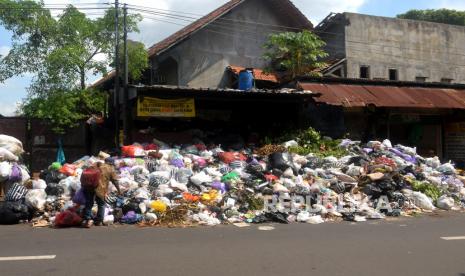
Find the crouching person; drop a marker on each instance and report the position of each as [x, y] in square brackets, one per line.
[95, 181]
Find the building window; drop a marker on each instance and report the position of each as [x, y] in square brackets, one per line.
[364, 72]
[421, 79]
[446, 80]
[393, 75]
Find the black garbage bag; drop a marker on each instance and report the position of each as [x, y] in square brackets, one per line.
[314, 162]
[277, 217]
[338, 187]
[386, 185]
[51, 176]
[358, 161]
[373, 191]
[132, 205]
[397, 198]
[13, 212]
[348, 216]
[54, 189]
[281, 161]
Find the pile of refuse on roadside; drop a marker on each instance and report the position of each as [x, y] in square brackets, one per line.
[201, 184]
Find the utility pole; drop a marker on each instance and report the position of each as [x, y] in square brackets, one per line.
[126, 111]
[117, 75]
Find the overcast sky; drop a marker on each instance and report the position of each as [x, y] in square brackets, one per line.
[13, 90]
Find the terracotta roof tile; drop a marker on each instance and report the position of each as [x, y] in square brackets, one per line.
[258, 74]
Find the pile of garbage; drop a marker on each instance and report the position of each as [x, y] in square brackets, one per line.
[13, 176]
[197, 184]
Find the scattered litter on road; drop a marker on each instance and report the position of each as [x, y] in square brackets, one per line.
[266, 228]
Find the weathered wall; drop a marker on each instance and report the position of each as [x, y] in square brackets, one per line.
[203, 57]
[415, 48]
[334, 36]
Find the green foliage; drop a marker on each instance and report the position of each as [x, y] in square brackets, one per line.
[138, 59]
[428, 189]
[445, 16]
[64, 109]
[299, 54]
[60, 53]
[309, 141]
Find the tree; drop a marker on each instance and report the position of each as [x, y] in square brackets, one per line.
[64, 109]
[445, 16]
[138, 59]
[61, 53]
[297, 53]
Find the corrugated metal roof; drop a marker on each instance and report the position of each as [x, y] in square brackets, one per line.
[258, 74]
[349, 95]
[171, 88]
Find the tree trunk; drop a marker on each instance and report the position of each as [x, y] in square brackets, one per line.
[83, 79]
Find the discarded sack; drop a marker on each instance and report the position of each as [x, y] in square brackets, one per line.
[12, 212]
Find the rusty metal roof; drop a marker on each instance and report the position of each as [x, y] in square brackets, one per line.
[351, 95]
[223, 91]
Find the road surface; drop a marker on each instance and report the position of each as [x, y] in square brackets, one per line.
[428, 245]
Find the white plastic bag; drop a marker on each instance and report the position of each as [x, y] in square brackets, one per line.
[36, 199]
[142, 193]
[6, 155]
[11, 144]
[24, 174]
[39, 184]
[422, 201]
[291, 143]
[303, 216]
[315, 220]
[5, 171]
[200, 178]
[178, 186]
[445, 202]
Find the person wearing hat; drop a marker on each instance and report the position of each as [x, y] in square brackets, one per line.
[107, 174]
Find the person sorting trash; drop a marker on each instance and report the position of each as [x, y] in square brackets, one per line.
[95, 181]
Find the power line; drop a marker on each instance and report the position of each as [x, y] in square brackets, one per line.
[151, 10]
[229, 28]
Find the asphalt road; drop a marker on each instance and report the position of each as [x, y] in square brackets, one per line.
[406, 246]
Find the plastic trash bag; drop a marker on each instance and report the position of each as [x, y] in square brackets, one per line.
[5, 171]
[11, 144]
[79, 197]
[158, 206]
[445, 202]
[16, 192]
[131, 218]
[67, 218]
[12, 212]
[132, 151]
[315, 220]
[36, 199]
[54, 189]
[15, 174]
[24, 174]
[200, 178]
[39, 184]
[150, 217]
[68, 169]
[141, 193]
[6, 155]
[291, 143]
[422, 201]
